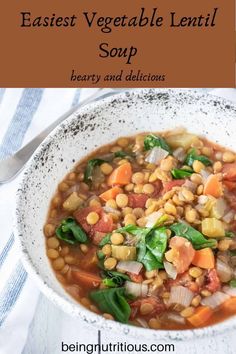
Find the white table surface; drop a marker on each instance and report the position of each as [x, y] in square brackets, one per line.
[51, 326]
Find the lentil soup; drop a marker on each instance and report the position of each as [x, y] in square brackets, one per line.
[142, 231]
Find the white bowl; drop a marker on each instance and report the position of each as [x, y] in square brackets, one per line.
[92, 126]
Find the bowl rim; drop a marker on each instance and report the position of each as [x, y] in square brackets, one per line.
[77, 310]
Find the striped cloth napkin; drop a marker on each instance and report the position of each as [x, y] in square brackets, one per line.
[23, 114]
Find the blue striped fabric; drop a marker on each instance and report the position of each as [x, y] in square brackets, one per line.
[6, 249]
[19, 124]
[12, 141]
[76, 98]
[11, 291]
[2, 91]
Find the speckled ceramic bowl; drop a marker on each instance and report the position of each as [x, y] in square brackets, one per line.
[98, 124]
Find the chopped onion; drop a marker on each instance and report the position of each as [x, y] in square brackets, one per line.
[71, 190]
[215, 300]
[205, 174]
[175, 317]
[224, 271]
[229, 290]
[152, 218]
[156, 155]
[170, 270]
[130, 266]
[179, 154]
[190, 185]
[181, 295]
[228, 217]
[202, 199]
[136, 289]
[142, 322]
[219, 209]
[108, 209]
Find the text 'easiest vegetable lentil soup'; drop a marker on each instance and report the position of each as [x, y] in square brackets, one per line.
[143, 231]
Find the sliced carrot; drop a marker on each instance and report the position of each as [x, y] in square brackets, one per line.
[204, 258]
[213, 186]
[230, 304]
[121, 175]
[110, 193]
[85, 278]
[201, 316]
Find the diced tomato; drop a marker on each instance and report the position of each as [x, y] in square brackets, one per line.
[104, 224]
[136, 278]
[81, 215]
[158, 306]
[213, 281]
[175, 183]
[182, 253]
[137, 200]
[229, 171]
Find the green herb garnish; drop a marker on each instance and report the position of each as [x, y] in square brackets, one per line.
[114, 279]
[70, 232]
[181, 173]
[106, 239]
[192, 156]
[152, 141]
[88, 174]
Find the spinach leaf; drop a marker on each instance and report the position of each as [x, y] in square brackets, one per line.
[112, 301]
[134, 230]
[88, 174]
[114, 279]
[142, 249]
[232, 283]
[140, 231]
[70, 232]
[180, 173]
[232, 252]
[195, 237]
[156, 242]
[151, 141]
[106, 239]
[192, 156]
[152, 243]
[151, 248]
[150, 262]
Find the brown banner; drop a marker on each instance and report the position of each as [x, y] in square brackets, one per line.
[104, 43]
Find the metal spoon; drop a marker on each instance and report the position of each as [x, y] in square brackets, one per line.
[11, 166]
